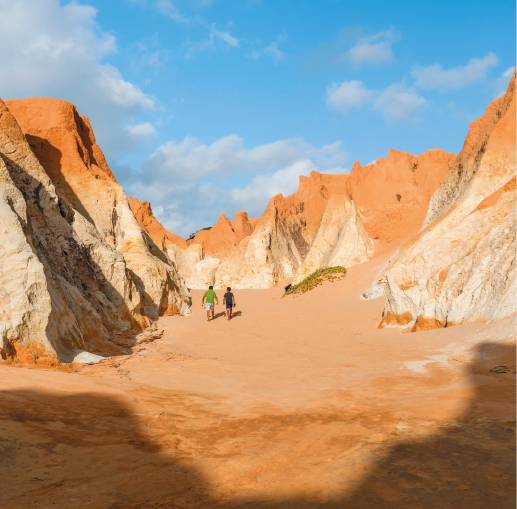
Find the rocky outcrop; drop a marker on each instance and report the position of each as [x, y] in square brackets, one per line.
[64, 144]
[341, 239]
[76, 269]
[332, 220]
[392, 195]
[221, 240]
[56, 300]
[461, 267]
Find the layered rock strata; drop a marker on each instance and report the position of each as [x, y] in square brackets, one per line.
[55, 298]
[331, 220]
[337, 219]
[64, 144]
[65, 287]
[196, 260]
[460, 267]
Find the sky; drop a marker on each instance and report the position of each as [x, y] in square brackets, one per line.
[209, 107]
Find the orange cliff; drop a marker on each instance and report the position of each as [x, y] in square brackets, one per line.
[338, 219]
[196, 260]
[392, 195]
[64, 143]
[221, 240]
[330, 220]
[461, 267]
[160, 236]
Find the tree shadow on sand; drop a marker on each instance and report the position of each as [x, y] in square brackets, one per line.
[89, 450]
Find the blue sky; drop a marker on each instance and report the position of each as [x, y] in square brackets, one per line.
[205, 107]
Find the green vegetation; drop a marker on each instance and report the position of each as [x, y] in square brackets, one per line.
[317, 278]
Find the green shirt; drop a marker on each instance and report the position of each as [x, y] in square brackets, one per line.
[210, 294]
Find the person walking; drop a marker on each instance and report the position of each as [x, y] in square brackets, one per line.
[229, 300]
[208, 302]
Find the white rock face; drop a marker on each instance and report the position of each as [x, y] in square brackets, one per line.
[340, 239]
[84, 179]
[53, 300]
[70, 276]
[203, 274]
[252, 265]
[461, 267]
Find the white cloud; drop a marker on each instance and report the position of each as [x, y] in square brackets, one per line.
[192, 160]
[46, 48]
[142, 131]
[400, 103]
[262, 188]
[348, 94]
[168, 8]
[501, 83]
[51, 51]
[190, 184]
[370, 53]
[397, 102]
[273, 51]
[374, 49]
[109, 80]
[211, 44]
[435, 77]
[225, 36]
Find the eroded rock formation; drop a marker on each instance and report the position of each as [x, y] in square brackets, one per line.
[64, 143]
[337, 219]
[330, 220]
[65, 287]
[460, 267]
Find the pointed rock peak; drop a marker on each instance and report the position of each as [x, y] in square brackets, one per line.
[223, 220]
[242, 226]
[240, 216]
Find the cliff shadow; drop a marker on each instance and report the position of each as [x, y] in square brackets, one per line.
[468, 463]
[86, 450]
[90, 450]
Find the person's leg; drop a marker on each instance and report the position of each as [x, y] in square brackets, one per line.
[228, 313]
[231, 309]
[213, 313]
[208, 315]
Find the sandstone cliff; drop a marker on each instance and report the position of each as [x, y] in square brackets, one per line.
[64, 144]
[337, 219]
[56, 299]
[198, 259]
[461, 267]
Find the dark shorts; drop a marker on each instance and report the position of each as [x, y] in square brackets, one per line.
[229, 305]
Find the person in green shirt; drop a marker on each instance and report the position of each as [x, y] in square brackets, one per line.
[208, 302]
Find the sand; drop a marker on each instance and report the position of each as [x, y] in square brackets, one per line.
[298, 402]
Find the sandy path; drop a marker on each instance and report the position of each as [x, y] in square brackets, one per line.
[296, 402]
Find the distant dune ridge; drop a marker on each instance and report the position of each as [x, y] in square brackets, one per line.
[82, 263]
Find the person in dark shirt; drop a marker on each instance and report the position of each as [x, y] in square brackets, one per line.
[229, 300]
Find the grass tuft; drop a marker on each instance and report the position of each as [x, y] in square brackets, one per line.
[317, 278]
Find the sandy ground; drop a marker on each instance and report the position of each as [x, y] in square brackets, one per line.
[298, 402]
